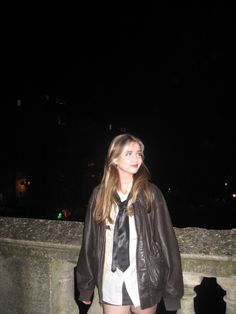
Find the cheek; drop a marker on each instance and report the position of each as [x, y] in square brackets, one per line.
[125, 162]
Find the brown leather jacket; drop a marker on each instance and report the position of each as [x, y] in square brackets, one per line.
[159, 268]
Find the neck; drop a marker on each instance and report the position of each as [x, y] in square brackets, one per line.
[125, 186]
[126, 181]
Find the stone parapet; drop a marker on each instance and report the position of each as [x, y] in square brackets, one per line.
[38, 257]
[37, 260]
[208, 252]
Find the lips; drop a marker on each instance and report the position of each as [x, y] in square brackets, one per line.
[135, 166]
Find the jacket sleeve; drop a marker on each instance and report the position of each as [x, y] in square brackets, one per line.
[85, 280]
[173, 289]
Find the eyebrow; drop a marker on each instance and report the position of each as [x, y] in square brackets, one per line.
[131, 151]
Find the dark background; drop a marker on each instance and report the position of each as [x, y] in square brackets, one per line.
[74, 77]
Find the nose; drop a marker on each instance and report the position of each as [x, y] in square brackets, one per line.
[137, 157]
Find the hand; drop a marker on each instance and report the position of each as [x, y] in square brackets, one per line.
[87, 302]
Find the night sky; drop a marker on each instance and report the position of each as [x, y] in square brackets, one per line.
[85, 74]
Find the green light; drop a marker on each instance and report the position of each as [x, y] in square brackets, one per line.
[59, 216]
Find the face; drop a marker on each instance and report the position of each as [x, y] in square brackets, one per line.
[130, 160]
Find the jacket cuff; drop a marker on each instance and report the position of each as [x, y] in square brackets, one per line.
[172, 304]
[85, 295]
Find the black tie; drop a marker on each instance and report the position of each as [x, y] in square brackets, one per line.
[120, 253]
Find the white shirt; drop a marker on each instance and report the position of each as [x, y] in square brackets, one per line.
[113, 281]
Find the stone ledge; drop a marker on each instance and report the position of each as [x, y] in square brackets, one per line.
[210, 243]
[40, 230]
[193, 242]
[37, 260]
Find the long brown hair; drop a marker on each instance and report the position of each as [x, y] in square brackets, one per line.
[110, 182]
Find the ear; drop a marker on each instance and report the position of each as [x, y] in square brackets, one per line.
[114, 162]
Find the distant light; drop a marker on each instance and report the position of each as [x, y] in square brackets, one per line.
[110, 127]
[63, 213]
[59, 216]
[21, 185]
[234, 195]
[226, 183]
[91, 164]
[18, 102]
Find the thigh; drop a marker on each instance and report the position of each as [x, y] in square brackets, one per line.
[116, 309]
[138, 310]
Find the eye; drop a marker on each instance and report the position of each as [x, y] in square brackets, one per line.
[128, 154]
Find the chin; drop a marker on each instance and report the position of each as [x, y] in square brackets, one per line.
[134, 171]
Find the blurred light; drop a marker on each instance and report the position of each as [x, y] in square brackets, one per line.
[91, 164]
[234, 195]
[67, 213]
[59, 216]
[64, 213]
[22, 183]
[226, 183]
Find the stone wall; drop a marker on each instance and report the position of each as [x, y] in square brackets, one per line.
[38, 257]
[37, 260]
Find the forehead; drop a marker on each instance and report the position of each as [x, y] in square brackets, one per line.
[131, 146]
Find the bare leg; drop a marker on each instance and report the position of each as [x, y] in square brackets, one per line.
[116, 309]
[138, 310]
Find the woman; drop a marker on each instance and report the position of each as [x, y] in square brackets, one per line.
[129, 248]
